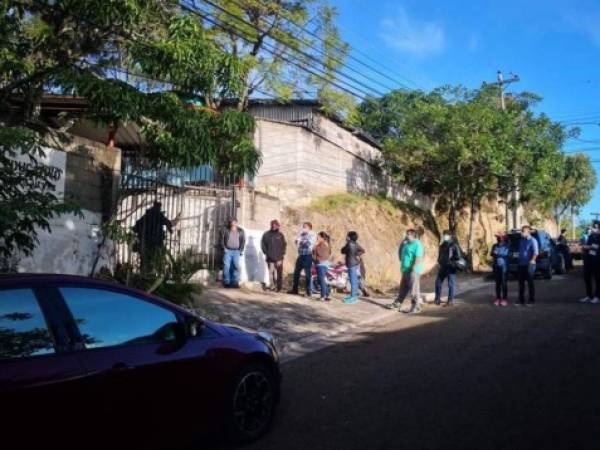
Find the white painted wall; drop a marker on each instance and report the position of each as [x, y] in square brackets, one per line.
[71, 246]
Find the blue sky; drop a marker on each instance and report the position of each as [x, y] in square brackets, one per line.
[554, 47]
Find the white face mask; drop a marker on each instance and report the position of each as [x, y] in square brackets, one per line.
[446, 238]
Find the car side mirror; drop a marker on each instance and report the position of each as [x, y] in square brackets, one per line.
[193, 326]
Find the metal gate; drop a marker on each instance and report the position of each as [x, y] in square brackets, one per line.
[178, 216]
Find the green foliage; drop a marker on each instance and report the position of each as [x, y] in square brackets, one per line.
[72, 46]
[569, 184]
[167, 276]
[27, 193]
[270, 40]
[458, 146]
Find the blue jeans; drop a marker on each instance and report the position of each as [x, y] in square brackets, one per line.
[353, 272]
[322, 277]
[303, 263]
[443, 273]
[526, 276]
[501, 277]
[231, 267]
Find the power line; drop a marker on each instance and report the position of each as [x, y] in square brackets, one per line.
[285, 44]
[316, 48]
[350, 56]
[236, 32]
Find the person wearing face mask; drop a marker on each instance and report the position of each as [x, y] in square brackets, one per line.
[411, 253]
[500, 252]
[591, 265]
[305, 243]
[273, 246]
[449, 254]
[353, 253]
[528, 253]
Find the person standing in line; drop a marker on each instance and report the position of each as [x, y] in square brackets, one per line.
[353, 252]
[411, 254]
[449, 254]
[305, 243]
[591, 265]
[233, 241]
[562, 245]
[273, 246]
[500, 252]
[322, 255]
[528, 253]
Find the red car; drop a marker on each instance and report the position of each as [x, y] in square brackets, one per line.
[110, 364]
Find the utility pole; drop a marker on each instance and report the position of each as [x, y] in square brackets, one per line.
[502, 83]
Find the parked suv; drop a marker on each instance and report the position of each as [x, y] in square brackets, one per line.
[84, 362]
[549, 261]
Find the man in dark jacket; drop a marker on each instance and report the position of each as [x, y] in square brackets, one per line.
[273, 246]
[353, 253]
[449, 254]
[591, 265]
[150, 233]
[233, 240]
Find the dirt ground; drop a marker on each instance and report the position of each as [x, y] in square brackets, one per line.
[469, 377]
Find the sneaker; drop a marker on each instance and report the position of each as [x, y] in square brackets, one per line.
[497, 302]
[327, 299]
[415, 310]
[448, 304]
[292, 292]
[529, 304]
[503, 303]
[323, 299]
[350, 300]
[585, 300]
[519, 304]
[437, 302]
[394, 305]
[595, 301]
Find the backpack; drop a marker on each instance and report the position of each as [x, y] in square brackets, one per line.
[460, 263]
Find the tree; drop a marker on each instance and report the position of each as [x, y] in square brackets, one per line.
[137, 61]
[82, 47]
[291, 46]
[27, 197]
[458, 146]
[571, 182]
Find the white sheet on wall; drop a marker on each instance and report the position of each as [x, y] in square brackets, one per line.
[253, 265]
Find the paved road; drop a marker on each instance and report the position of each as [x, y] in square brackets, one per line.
[469, 377]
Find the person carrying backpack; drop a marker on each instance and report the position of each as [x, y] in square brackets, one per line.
[449, 257]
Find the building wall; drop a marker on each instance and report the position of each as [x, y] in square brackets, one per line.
[300, 164]
[88, 176]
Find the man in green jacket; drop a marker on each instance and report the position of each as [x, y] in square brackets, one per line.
[411, 253]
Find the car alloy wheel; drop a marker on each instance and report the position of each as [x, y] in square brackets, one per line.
[253, 403]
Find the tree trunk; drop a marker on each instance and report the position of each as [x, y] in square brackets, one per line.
[452, 217]
[470, 237]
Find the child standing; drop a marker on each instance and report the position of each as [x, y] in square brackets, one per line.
[500, 252]
[353, 253]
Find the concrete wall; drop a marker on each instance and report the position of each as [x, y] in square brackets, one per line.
[300, 164]
[88, 177]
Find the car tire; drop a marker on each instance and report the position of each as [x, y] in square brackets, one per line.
[252, 403]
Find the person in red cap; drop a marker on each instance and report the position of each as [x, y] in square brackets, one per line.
[273, 246]
[500, 252]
